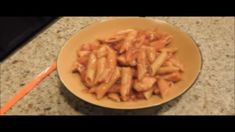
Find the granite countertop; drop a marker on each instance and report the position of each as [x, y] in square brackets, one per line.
[212, 94]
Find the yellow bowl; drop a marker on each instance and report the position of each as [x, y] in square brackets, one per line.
[188, 53]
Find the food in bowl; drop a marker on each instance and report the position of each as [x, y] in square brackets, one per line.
[129, 65]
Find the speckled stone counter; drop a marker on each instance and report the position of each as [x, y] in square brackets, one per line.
[212, 94]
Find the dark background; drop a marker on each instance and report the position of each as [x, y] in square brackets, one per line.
[14, 31]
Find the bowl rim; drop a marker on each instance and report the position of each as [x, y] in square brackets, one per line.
[140, 107]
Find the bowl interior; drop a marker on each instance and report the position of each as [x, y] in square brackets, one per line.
[188, 53]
